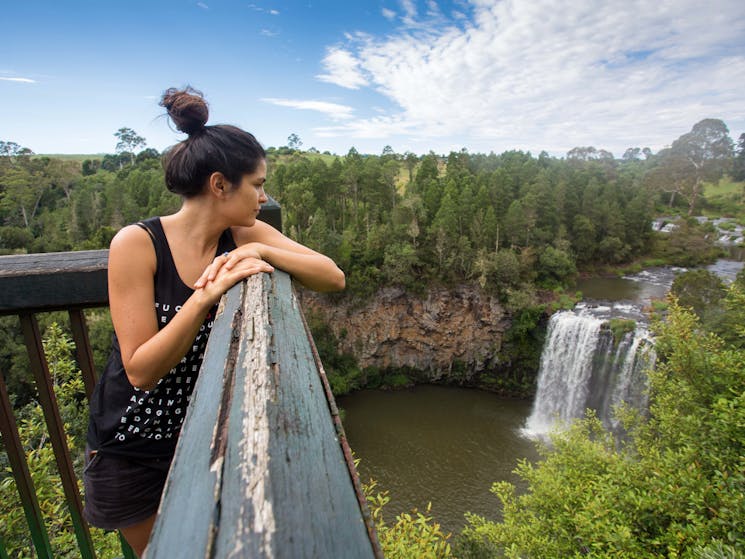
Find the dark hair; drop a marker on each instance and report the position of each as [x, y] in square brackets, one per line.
[208, 149]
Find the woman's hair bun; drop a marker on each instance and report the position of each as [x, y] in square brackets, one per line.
[187, 108]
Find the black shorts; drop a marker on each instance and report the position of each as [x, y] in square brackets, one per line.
[121, 492]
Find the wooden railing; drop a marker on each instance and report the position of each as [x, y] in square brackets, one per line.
[262, 468]
[276, 477]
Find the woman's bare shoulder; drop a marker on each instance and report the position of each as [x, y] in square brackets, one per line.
[132, 246]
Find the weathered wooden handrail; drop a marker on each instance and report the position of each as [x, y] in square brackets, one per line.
[262, 468]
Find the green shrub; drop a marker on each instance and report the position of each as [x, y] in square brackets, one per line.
[717, 550]
[564, 300]
[399, 380]
[342, 370]
[413, 535]
[620, 327]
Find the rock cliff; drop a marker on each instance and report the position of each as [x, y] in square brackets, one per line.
[395, 329]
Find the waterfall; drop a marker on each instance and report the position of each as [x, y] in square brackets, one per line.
[582, 366]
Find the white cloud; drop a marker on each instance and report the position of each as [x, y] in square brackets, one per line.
[332, 110]
[269, 33]
[203, 5]
[433, 10]
[342, 69]
[388, 14]
[409, 7]
[542, 76]
[18, 80]
[372, 128]
[256, 8]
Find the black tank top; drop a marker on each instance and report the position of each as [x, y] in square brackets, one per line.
[135, 423]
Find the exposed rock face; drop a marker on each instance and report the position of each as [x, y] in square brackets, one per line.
[396, 329]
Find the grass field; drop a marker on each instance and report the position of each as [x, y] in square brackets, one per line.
[71, 156]
[725, 199]
[725, 188]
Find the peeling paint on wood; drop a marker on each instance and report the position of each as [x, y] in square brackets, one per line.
[279, 485]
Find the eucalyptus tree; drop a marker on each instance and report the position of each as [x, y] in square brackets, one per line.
[294, 142]
[128, 142]
[703, 154]
[738, 165]
[12, 149]
[589, 153]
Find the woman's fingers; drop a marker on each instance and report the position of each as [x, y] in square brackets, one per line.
[219, 273]
[211, 271]
[251, 266]
[202, 280]
[229, 260]
[218, 263]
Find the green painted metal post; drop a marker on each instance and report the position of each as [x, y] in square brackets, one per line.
[57, 436]
[127, 552]
[22, 476]
[3, 553]
[83, 350]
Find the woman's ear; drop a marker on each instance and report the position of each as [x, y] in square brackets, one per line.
[218, 184]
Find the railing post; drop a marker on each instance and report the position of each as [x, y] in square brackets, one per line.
[24, 483]
[127, 552]
[83, 351]
[48, 402]
[3, 553]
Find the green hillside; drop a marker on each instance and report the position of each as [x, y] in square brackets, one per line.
[72, 156]
[726, 198]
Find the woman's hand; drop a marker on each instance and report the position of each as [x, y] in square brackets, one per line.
[312, 269]
[231, 267]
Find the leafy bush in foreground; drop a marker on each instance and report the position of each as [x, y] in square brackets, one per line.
[413, 535]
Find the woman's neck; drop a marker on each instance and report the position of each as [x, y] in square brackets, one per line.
[195, 226]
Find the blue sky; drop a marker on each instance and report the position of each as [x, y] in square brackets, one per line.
[417, 75]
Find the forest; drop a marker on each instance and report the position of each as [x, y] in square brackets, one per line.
[515, 225]
[518, 226]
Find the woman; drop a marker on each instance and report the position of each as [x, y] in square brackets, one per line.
[166, 276]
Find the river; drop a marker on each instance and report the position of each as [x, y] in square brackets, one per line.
[447, 445]
[444, 445]
[652, 283]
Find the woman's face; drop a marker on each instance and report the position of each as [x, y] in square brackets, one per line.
[248, 195]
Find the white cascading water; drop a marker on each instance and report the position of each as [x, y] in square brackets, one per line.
[583, 367]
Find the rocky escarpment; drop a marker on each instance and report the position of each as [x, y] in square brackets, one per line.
[395, 329]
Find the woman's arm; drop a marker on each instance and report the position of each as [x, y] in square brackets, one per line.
[148, 353]
[262, 241]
